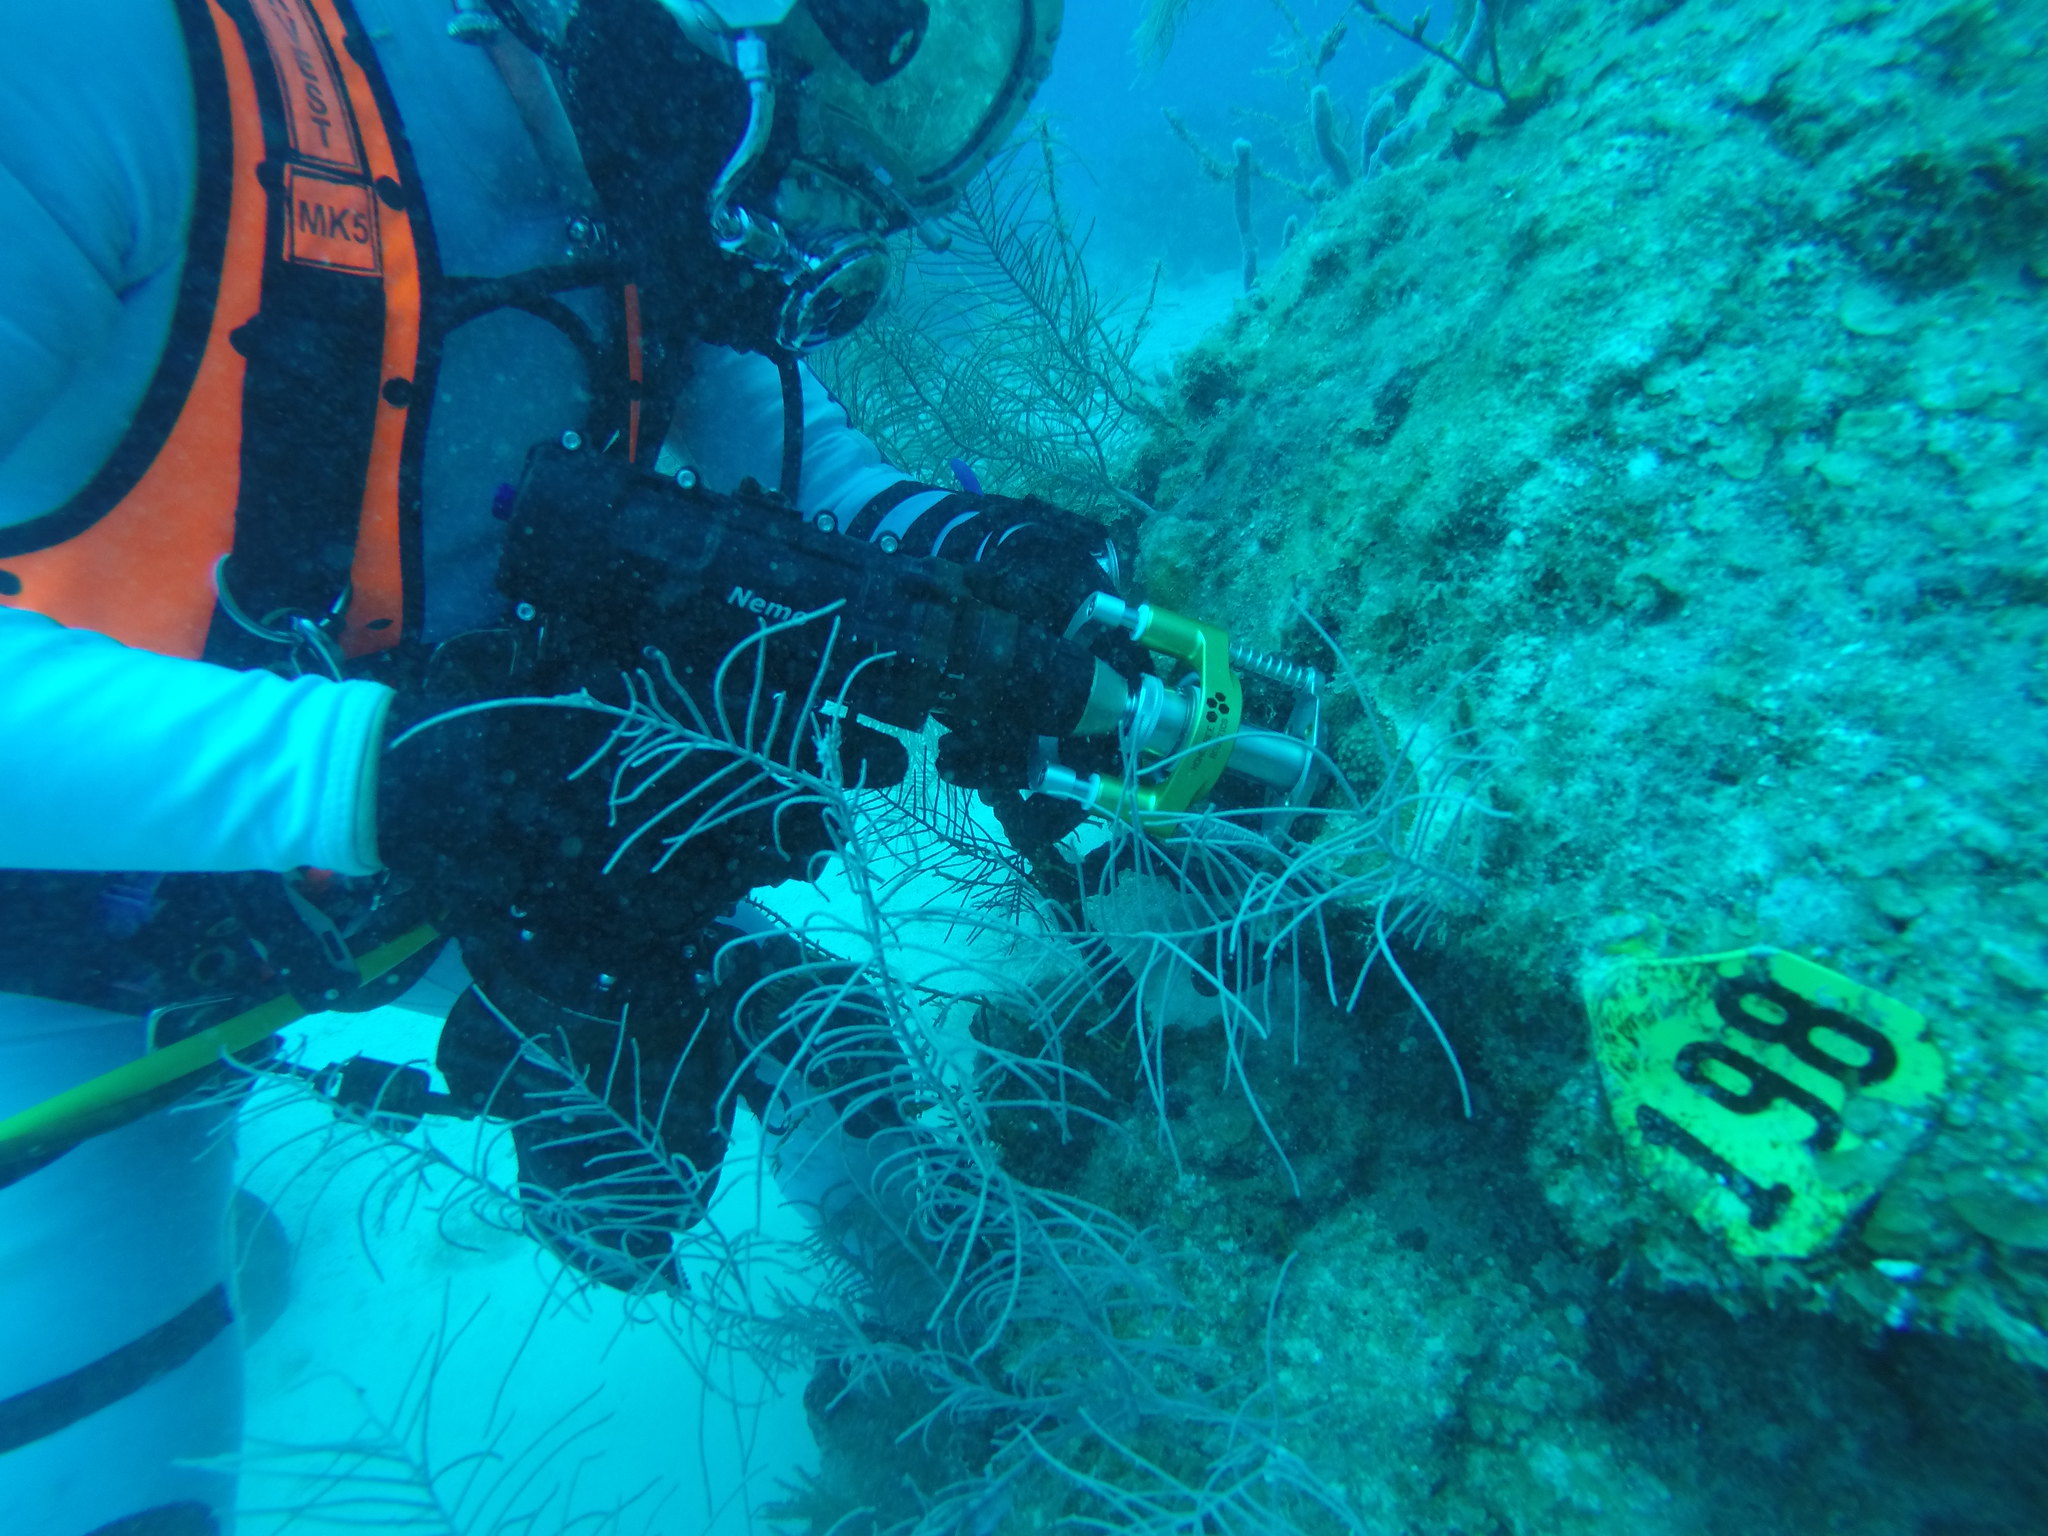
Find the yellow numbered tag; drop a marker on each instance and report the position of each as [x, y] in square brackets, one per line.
[1767, 1096]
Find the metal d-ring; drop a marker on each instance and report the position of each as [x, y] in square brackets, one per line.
[302, 631]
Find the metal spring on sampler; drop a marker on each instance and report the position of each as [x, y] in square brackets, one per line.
[1278, 669]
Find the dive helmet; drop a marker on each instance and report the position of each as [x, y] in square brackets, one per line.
[860, 119]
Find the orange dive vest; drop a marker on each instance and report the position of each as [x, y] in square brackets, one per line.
[279, 425]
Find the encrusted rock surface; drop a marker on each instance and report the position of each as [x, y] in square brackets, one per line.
[1683, 445]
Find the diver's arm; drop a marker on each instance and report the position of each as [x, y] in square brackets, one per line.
[112, 758]
[116, 759]
[729, 424]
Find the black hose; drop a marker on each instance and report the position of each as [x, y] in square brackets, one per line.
[533, 292]
[462, 299]
[792, 427]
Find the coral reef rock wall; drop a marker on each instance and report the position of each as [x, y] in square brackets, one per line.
[1672, 441]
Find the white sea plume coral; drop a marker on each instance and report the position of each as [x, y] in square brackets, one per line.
[836, 1013]
[1241, 929]
[956, 1271]
[1222, 925]
[1166, 1440]
[1243, 921]
[405, 1468]
[1009, 1303]
[1001, 348]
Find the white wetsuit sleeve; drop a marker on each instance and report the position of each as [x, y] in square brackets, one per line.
[118, 759]
[729, 427]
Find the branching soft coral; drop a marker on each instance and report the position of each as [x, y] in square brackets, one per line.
[1001, 350]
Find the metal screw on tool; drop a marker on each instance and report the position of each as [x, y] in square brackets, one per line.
[888, 543]
[572, 440]
[686, 478]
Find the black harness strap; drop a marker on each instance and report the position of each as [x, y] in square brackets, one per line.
[42, 1411]
[309, 399]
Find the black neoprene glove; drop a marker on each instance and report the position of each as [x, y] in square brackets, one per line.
[438, 811]
[1039, 562]
[507, 815]
[1038, 575]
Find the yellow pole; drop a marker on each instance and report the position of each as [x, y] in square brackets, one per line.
[70, 1114]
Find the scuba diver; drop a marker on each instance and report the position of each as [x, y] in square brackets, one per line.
[292, 290]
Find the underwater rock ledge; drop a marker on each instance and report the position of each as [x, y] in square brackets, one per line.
[1681, 443]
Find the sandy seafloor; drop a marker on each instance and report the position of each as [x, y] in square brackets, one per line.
[378, 1285]
[549, 1396]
